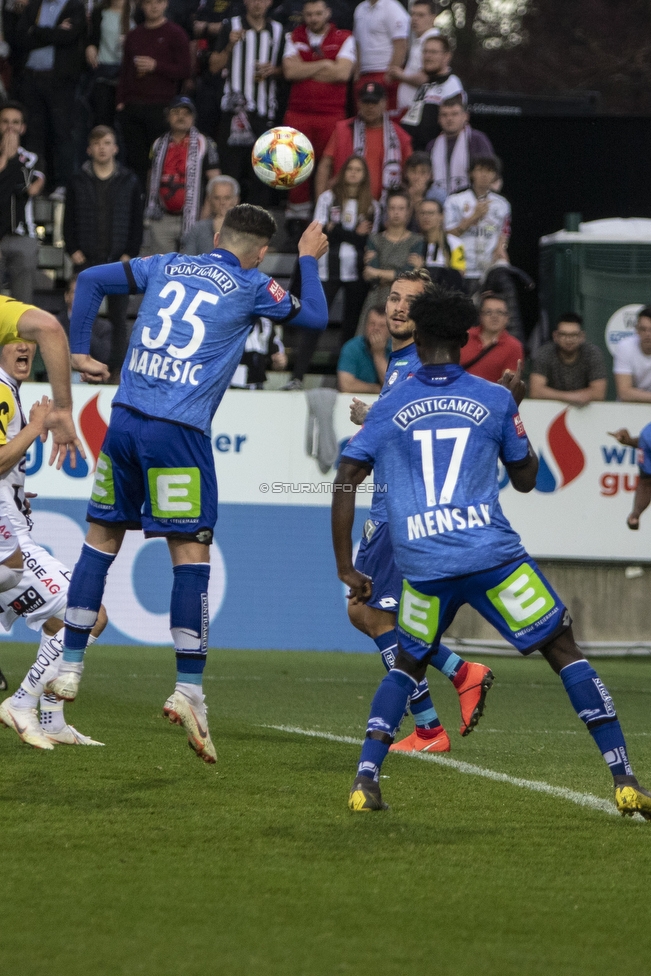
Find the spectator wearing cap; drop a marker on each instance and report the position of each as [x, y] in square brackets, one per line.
[381, 29]
[490, 348]
[632, 365]
[412, 76]
[421, 121]
[156, 59]
[182, 162]
[372, 135]
[222, 193]
[319, 60]
[568, 368]
[481, 218]
[453, 149]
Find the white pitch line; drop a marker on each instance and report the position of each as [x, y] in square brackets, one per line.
[537, 786]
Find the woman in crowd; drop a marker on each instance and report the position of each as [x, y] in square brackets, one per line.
[110, 22]
[444, 257]
[349, 214]
[394, 250]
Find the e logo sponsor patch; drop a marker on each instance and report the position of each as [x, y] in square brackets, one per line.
[175, 492]
[522, 598]
[103, 486]
[419, 614]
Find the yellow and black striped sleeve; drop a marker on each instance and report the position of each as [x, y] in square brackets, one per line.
[7, 411]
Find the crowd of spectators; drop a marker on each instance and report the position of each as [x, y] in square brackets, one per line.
[139, 117]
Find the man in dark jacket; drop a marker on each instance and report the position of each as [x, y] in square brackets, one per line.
[103, 223]
[51, 35]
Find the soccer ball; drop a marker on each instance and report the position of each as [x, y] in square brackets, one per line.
[283, 157]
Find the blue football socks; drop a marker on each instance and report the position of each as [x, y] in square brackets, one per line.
[84, 600]
[446, 661]
[387, 708]
[421, 705]
[594, 706]
[189, 619]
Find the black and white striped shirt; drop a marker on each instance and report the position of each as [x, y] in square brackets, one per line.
[255, 47]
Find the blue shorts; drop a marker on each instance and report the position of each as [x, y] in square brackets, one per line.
[375, 559]
[515, 598]
[155, 476]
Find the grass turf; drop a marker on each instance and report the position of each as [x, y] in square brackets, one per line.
[139, 859]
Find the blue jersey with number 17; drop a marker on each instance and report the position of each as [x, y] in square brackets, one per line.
[435, 441]
[190, 332]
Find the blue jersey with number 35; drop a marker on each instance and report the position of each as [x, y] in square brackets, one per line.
[435, 440]
[190, 332]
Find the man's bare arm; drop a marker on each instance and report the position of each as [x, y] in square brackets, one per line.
[348, 383]
[629, 393]
[539, 390]
[323, 171]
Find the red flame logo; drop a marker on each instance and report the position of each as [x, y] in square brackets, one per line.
[566, 451]
[93, 427]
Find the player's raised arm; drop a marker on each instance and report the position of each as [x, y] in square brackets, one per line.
[42, 328]
[92, 285]
[311, 309]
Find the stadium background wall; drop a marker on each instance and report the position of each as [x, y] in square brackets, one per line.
[273, 581]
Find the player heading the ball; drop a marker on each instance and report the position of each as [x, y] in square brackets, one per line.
[155, 470]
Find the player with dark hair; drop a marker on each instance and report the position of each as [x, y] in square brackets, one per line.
[156, 469]
[435, 441]
[376, 617]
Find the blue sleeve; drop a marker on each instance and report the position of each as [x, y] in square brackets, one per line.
[364, 444]
[644, 451]
[92, 285]
[514, 443]
[310, 311]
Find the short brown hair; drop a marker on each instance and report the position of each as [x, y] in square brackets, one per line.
[99, 132]
[442, 39]
[454, 100]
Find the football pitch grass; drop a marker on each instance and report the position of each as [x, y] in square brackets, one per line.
[139, 859]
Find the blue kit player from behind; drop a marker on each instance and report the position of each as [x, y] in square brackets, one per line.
[156, 471]
[435, 441]
[377, 616]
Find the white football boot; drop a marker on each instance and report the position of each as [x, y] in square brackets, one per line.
[69, 736]
[24, 722]
[193, 717]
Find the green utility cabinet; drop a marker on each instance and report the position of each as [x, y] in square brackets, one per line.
[603, 272]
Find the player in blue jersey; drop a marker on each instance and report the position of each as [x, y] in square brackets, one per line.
[377, 617]
[156, 470]
[436, 440]
[642, 498]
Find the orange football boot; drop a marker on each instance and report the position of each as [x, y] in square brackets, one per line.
[472, 682]
[422, 740]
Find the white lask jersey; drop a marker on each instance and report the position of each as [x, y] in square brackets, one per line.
[12, 484]
[480, 240]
